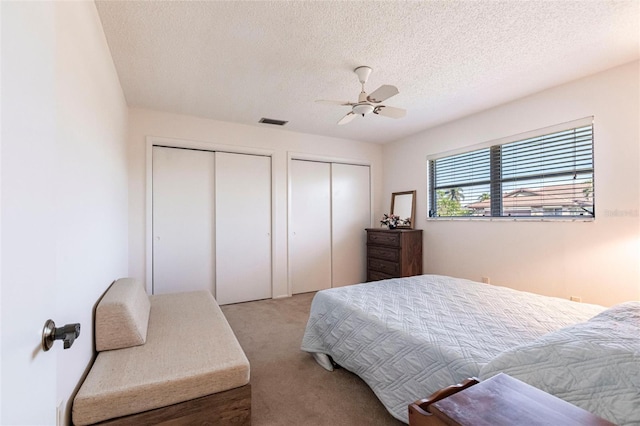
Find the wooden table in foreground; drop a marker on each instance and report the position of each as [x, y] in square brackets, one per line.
[498, 401]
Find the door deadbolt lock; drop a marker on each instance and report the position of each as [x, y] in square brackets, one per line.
[67, 333]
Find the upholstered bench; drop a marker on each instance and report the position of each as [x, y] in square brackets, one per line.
[163, 358]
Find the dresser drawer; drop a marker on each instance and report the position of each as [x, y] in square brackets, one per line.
[377, 276]
[385, 253]
[384, 238]
[384, 266]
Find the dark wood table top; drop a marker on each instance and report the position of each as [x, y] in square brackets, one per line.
[501, 401]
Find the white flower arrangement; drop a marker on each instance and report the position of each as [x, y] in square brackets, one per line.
[393, 221]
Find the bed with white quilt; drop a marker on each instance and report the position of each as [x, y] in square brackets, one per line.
[409, 337]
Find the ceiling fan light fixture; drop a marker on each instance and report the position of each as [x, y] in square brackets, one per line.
[362, 109]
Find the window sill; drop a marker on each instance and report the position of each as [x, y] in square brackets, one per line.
[510, 219]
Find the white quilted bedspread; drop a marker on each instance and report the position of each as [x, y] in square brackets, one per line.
[594, 365]
[407, 338]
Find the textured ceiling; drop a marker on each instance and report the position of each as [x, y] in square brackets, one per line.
[239, 61]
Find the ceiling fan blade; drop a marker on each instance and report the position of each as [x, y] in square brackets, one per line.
[382, 93]
[388, 111]
[344, 103]
[347, 118]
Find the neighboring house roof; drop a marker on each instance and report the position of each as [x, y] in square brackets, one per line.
[571, 195]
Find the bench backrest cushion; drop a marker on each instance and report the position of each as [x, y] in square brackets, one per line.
[122, 316]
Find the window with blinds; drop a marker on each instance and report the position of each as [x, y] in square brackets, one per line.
[544, 176]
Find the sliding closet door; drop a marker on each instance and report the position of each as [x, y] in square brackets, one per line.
[183, 252]
[243, 227]
[351, 213]
[310, 233]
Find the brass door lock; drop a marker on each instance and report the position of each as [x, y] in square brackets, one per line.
[67, 333]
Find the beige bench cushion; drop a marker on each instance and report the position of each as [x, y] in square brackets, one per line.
[191, 351]
[122, 316]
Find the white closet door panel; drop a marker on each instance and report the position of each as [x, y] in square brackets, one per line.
[351, 212]
[187, 189]
[310, 233]
[243, 227]
[183, 218]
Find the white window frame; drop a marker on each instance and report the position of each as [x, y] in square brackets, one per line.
[535, 212]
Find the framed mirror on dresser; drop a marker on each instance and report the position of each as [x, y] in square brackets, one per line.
[403, 205]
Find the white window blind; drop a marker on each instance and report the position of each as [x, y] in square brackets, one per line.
[545, 176]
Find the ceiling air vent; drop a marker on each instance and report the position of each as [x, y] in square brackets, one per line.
[272, 121]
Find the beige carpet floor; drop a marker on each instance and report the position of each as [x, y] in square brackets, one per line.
[288, 387]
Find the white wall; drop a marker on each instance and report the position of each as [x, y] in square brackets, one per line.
[64, 196]
[598, 261]
[143, 123]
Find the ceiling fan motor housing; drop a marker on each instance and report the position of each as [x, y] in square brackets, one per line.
[362, 109]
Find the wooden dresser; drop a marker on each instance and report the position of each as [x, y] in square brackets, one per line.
[393, 253]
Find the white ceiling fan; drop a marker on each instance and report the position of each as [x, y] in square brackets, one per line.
[369, 103]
